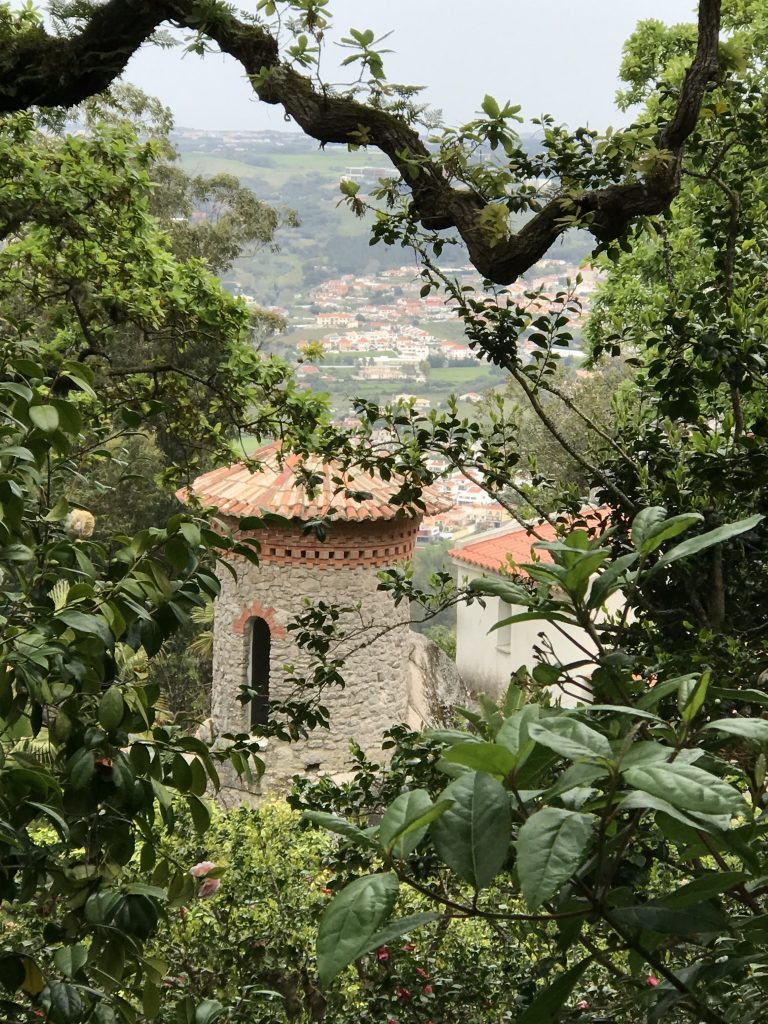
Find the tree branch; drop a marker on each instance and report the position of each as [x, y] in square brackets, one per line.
[40, 69]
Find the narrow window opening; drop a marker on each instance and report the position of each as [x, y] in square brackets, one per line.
[258, 672]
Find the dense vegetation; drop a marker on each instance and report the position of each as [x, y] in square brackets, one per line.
[620, 844]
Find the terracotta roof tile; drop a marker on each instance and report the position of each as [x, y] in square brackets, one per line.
[512, 544]
[239, 491]
[494, 553]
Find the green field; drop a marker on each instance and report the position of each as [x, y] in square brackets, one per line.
[458, 375]
[278, 168]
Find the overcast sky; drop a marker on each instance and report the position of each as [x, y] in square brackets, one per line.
[555, 56]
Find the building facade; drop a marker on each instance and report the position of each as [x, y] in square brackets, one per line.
[486, 657]
[384, 662]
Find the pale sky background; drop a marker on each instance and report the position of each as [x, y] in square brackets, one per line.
[555, 56]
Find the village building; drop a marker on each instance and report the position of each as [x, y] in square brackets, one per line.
[486, 657]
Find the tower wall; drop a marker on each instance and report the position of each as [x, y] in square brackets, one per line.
[340, 570]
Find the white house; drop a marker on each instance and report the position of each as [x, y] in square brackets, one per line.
[485, 659]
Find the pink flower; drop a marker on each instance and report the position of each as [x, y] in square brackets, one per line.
[201, 870]
[421, 972]
[652, 980]
[382, 954]
[583, 1005]
[209, 887]
[427, 990]
[404, 994]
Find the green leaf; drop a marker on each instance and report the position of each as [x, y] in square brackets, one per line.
[609, 580]
[550, 847]
[81, 767]
[491, 107]
[191, 533]
[150, 999]
[706, 540]
[483, 757]
[12, 972]
[181, 773]
[618, 709]
[570, 738]
[546, 1006]
[710, 884]
[406, 821]
[753, 729]
[686, 786]
[100, 907]
[44, 417]
[402, 925]
[208, 1011]
[93, 625]
[650, 528]
[472, 837]
[691, 695]
[351, 921]
[201, 815]
[340, 826]
[742, 696]
[54, 817]
[704, 917]
[640, 801]
[111, 708]
[661, 690]
[69, 959]
[513, 733]
[63, 1003]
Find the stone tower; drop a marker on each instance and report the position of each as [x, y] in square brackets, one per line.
[392, 674]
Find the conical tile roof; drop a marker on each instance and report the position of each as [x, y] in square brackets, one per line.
[275, 487]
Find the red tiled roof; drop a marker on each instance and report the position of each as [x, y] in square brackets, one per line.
[512, 544]
[494, 553]
[274, 487]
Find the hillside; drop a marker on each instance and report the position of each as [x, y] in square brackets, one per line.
[290, 171]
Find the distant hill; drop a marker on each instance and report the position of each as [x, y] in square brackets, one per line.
[289, 170]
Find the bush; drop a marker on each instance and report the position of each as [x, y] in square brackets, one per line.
[250, 943]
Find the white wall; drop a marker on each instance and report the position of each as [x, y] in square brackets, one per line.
[487, 660]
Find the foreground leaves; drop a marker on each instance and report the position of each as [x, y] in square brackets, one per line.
[550, 847]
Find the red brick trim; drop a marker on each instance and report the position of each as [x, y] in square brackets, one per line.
[256, 610]
[347, 546]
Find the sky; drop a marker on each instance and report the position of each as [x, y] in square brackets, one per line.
[555, 56]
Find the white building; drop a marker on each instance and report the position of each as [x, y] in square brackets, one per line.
[486, 660]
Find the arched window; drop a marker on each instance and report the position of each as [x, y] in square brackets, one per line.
[258, 671]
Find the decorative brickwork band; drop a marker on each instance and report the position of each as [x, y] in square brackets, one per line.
[256, 610]
[347, 545]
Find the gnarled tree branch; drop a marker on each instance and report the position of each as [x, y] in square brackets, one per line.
[39, 69]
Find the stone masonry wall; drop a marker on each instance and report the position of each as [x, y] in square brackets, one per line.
[376, 692]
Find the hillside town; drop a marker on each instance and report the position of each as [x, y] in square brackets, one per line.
[376, 336]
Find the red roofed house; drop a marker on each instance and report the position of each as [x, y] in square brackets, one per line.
[392, 675]
[485, 659]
